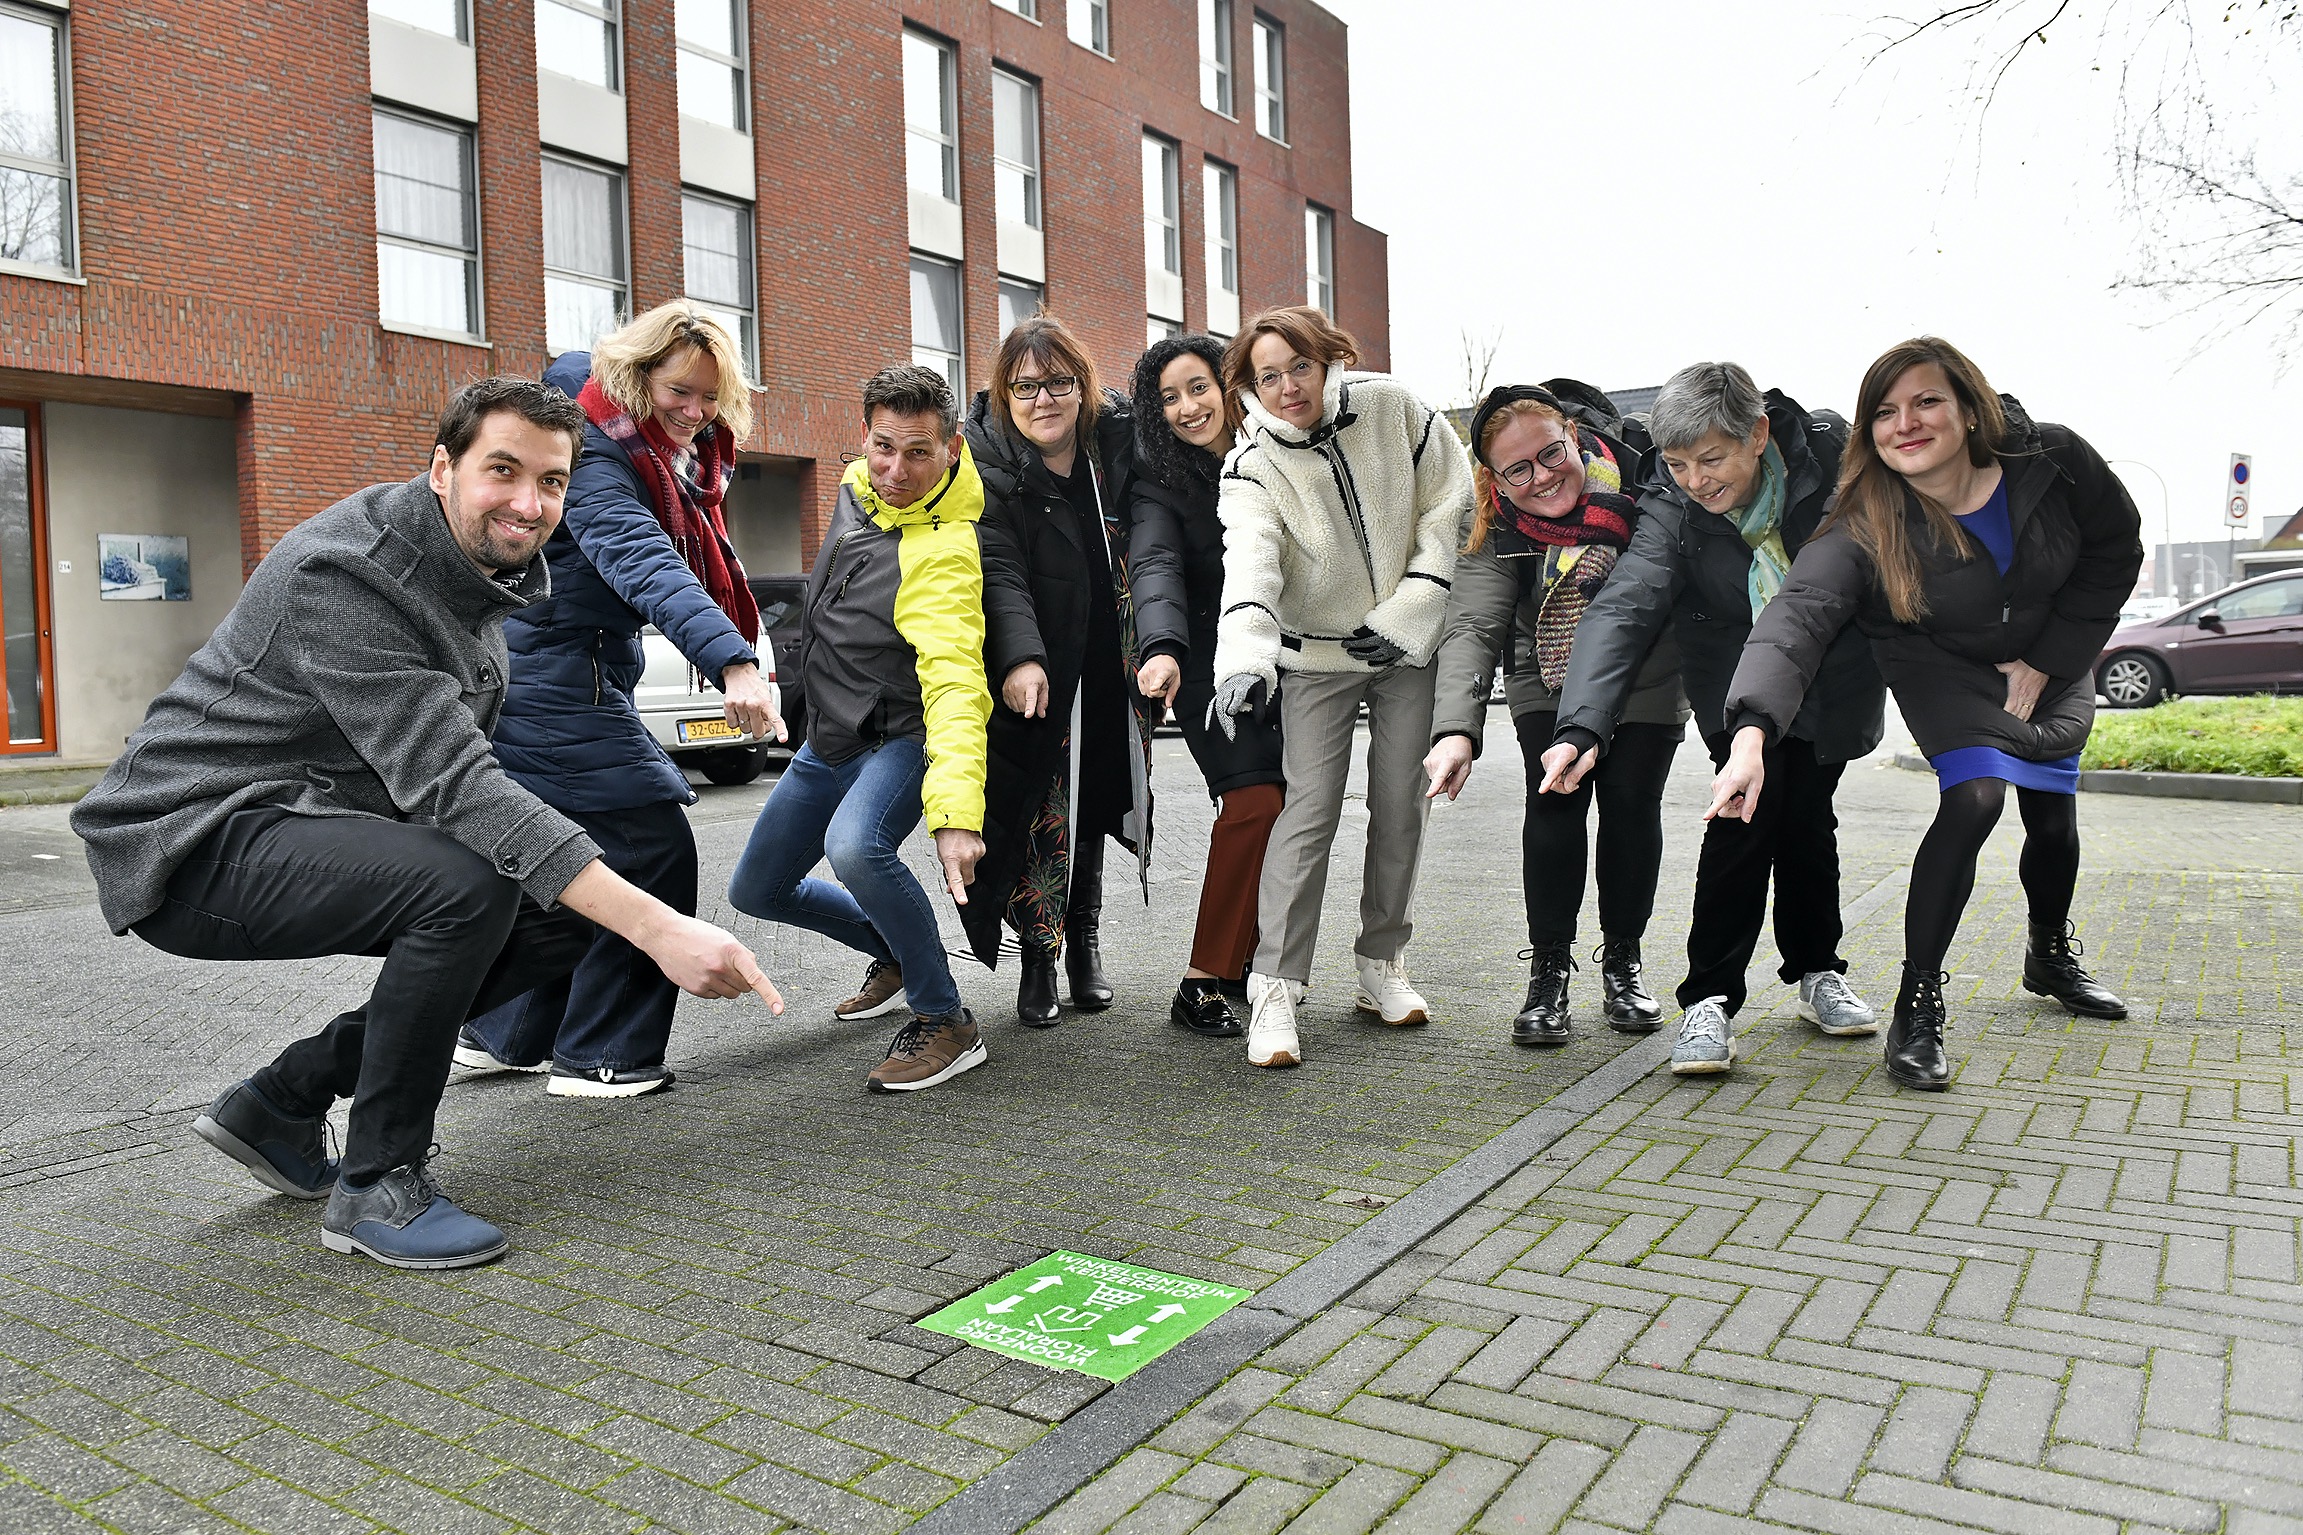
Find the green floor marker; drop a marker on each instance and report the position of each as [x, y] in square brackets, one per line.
[1087, 1314]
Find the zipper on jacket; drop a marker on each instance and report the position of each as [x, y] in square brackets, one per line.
[596, 681]
[833, 593]
[1350, 493]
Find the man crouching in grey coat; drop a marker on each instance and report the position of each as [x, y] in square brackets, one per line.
[319, 781]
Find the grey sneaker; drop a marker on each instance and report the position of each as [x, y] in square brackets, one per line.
[1706, 1043]
[1828, 1002]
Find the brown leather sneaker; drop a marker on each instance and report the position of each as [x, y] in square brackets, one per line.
[883, 992]
[927, 1051]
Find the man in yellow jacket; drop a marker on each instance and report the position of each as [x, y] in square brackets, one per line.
[893, 664]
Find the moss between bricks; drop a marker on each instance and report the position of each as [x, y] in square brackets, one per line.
[2252, 737]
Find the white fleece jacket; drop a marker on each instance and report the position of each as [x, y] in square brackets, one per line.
[1351, 523]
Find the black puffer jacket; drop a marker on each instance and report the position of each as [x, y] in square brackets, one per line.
[2077, 550]
[1037, 588]
[1690, 568]
[1177, 572]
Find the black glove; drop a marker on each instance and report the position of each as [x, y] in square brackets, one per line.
[1372, 649]
[1241, 693]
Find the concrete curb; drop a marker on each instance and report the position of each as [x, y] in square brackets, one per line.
[2222, 786]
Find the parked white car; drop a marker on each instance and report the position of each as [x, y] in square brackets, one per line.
[687, 715]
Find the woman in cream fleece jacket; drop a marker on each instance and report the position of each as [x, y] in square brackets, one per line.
[1341, 506]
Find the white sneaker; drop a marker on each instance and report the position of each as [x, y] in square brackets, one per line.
[1706, 1043]
[1271, 1039]
[477, 1059]
[1383, 991]
[1828, 1002]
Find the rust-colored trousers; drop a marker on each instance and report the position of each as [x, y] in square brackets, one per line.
[1225, 938]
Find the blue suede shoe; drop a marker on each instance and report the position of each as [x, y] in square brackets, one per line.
[287, 1154]
[404, 1220]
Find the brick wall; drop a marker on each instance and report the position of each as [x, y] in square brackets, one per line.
[227, 225]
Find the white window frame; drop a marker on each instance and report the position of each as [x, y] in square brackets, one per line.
[461, 32]
[1219, 186]
[1157, 329]
[947, 134]
[1167, 218]
[622, 216]
[1029, 10]
[739, 61]
[747, 316]
[1089, 24]
[475, 284]
[1016, 285]
[952, 363]
[1031, 214]
[1319, 258]
[1270, 40]
[63, 167]
[1218, 78]
[610, 14]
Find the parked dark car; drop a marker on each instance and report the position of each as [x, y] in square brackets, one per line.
[2243, 639]
[684, 713]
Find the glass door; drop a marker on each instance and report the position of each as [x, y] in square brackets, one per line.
[25, 662]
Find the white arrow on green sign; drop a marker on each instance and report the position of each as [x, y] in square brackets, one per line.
[1093, 1315]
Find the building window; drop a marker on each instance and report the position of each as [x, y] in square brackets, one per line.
[1157, 329]
[445, 17]
[936, 319]
[1089, 24]
[427, 226]
[1016, 148]
[1220, 219]
[584, 272]
[1163, 230]
[931, 118]
[1270, 78]
[1319, 258]
[718, 237]
[1215, 56]
[577, 38]
[1019, 301]
[711, 63]
[1029, 10]
[35, 141]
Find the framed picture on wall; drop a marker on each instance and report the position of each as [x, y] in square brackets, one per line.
[143, 567]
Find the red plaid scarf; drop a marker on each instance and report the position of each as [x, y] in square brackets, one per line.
[687, 510]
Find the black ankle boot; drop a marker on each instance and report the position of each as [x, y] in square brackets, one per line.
[1915, 1055]
[1199, 1006]
[1036, 989]
[1631, 1008]
[2051, 969]
[1083, 955]
[1543, 1021]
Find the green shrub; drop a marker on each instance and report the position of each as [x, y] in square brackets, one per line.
[2254, 737]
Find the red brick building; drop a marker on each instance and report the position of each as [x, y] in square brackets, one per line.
[249, 249]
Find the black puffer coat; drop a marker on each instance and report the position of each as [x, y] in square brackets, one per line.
[1690, 568]
[2077, 550]
[1177, 571]
[1037, 588]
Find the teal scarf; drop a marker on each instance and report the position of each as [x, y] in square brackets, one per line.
[1761, 525]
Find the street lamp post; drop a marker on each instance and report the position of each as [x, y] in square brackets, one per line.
[2159, 579]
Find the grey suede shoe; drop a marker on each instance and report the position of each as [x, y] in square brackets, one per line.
[404, 1220]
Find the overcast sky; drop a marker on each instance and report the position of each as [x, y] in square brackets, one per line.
[1621, 189]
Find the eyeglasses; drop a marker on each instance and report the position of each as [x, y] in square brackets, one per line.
[1299, 370]
[1551, 456]
[1057, 387]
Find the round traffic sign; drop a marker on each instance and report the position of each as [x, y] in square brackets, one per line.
[2239, 474]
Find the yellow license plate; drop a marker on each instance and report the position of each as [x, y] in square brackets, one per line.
[708, 730]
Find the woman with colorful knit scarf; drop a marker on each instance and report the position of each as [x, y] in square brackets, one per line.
[641, 542]
[1746, 480]
[1553, 511]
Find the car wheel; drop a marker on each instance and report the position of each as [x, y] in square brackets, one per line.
[2133, 680]
[732, 765]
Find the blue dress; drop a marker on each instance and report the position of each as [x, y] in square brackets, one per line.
[1990, 526]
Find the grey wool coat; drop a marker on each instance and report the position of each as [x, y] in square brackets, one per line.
[359, 674]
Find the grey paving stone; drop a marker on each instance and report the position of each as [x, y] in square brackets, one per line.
[2056, 1490]
[1343, 1373]
[1922, 1432]
[1736, 1463]
[1977, 1510]
[1355, 1504]
[1635, 1486]
[1830, 1448]
[1452, 1497]
[1262, 1507]
[2103, 1404]
[1545, 1488]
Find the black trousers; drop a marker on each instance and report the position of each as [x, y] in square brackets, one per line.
[1793, 836]
[456, 937]
[1628, 783]
[615, 1010]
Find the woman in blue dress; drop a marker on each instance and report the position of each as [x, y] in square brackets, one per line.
[1986, 556]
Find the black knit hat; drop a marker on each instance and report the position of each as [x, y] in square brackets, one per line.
[1509, 394]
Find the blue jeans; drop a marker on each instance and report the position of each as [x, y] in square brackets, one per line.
[616, 1009]
[856, 813]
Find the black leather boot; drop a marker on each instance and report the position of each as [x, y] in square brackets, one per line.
[1200, 1006]
[1631, 1008]
[1083, 957]
[2051, 969]
[1036, 989]
[1543, 1021]
[1915, 1055]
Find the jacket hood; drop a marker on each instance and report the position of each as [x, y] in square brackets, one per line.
[569, 372]
[958, 496]
[1332, 416]
[1010, 464]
